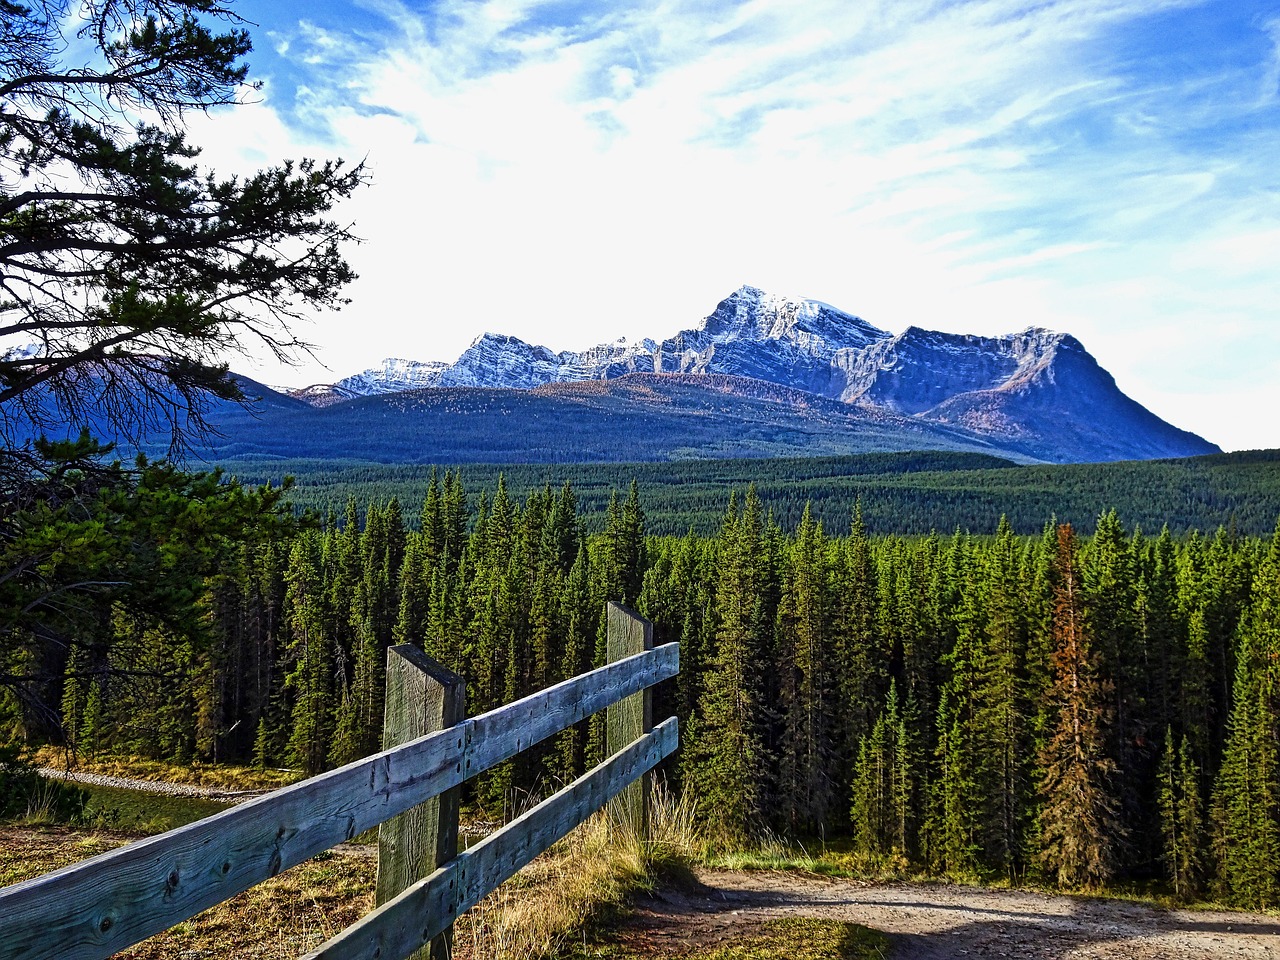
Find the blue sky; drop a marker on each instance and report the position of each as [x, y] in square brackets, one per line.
[574, 172]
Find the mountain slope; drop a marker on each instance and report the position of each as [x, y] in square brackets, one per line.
[637, 417]
[1035, 394]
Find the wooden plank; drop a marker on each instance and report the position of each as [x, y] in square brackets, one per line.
[500, 734]
[629, 718]
[396, 929]
[90, 910]
[423, 697]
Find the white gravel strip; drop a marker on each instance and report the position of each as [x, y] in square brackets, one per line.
[151, 786]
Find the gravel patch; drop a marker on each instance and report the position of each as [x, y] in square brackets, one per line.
[943, 922]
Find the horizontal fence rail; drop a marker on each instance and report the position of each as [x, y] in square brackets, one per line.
[90, 910]
[427, 908]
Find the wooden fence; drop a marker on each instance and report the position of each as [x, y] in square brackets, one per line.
[93, 909]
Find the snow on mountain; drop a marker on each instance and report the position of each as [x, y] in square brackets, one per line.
[804, 344]
[394, 376]
[815, 327]
[750, 333]
[1035, 385]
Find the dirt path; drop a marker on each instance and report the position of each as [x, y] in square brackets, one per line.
[928, 922]
[151, 786]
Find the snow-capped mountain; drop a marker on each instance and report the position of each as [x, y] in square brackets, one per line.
[750, 333]
[1038, 388]
[393, 376]
[796, 343]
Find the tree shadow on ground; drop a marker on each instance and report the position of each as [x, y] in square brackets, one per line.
[921, 928]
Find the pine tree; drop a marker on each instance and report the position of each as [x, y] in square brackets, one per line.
[1109, 578]
[414, 589]
[808, 750]
[727, 765]
[1001, 709]
[860, 663]
[311, 679]
[1181, 818]
[1079, 820]
[580, 610]
[886, 785]
[961, 801]
[1247, 798]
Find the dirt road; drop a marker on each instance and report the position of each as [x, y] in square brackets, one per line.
[938, 922]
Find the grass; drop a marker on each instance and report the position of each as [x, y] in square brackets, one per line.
[788, 938]
[196, 774]
[583, 883]
[565, 905]
[283, 917]
[822, 859]
[128, 811]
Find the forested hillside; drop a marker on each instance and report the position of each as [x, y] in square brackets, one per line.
[1084, 710]
[901, 492]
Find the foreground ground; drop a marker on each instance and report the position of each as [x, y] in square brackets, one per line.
[933, 922]
[720, 916]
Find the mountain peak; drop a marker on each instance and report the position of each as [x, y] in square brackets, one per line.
[753, 313]
[1037, 392]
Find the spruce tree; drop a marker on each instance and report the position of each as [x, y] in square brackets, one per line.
[860, 663]
[727, 765]
[1079, 819]
[961, 799]
[886, 788]
[807, 751]
[311, 679]
[1247, 797]
[1181, 818]
[1001, 710]
[1109, 576]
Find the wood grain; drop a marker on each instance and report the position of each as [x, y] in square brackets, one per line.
[396, 929]
[90, 910]
[423, 696]
[631, 717]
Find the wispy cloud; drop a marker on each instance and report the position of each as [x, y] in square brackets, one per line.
[566, 171]
[1270, 91]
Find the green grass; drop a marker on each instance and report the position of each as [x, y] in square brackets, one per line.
[789, 938]
[91, 807]
[217, 776]
[835, 858]
[805, 938]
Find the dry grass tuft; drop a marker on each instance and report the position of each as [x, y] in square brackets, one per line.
[576, 888]
[578, 885]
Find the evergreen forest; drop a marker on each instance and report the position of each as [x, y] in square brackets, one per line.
[909, 492]
[1079, 710]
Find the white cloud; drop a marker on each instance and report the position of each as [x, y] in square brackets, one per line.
[978, 166]
[1270, 90]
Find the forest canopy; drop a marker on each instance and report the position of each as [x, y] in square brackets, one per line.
[1081, 711]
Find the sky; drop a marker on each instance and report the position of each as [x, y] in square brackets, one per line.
[575, 172]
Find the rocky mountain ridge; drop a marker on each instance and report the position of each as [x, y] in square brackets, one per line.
[1036, 392]
[804, 344]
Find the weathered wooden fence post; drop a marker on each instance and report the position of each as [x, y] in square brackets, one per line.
[630, 718]
[422, 697]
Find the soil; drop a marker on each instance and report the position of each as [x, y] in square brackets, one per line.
[941, 922]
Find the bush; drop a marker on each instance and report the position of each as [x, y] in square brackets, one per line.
[18, 779]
